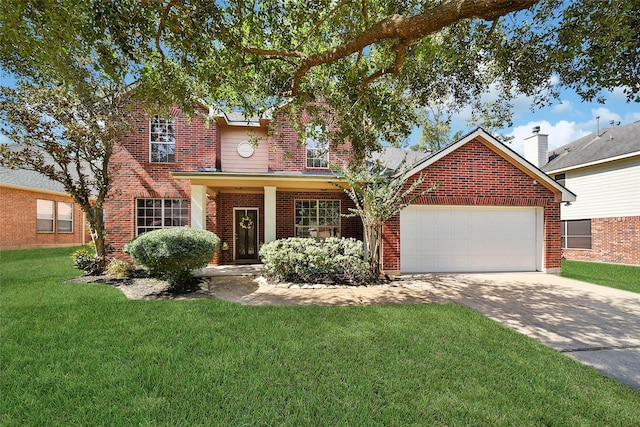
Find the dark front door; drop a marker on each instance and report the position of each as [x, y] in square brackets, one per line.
[246, 224]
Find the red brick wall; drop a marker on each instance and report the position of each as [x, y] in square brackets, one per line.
[475, 175]
[615, 240]
[135, 177]
[18, 219]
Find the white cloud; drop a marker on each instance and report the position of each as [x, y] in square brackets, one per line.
[563, 107]
[560, 133]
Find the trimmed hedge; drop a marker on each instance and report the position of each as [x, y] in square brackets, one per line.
[308, 260]
[173, 253]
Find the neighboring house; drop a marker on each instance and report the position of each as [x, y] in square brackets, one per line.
[603, 170]
[36, 212]
[493, 211]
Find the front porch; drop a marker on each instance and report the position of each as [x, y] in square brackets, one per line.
[246, 211]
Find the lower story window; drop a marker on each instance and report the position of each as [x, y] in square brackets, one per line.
[576, 234]
[317, 218]
[153, 214]
[45, 213]
[65, 217]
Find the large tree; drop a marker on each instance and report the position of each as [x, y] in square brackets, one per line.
[370, 62]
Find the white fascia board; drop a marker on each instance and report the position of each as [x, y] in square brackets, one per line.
[596, 162]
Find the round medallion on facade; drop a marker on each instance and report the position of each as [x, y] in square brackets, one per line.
[245, 149]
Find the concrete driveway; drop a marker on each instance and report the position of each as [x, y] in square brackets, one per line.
[596, 325]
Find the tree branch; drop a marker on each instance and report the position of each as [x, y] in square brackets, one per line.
[412, 27]
[322, 21]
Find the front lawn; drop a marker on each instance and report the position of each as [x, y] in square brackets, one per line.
[77, 354]
[618, 276]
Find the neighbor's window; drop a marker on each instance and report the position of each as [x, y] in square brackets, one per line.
[162, 140]
[44, 215]
[153, 214]
[560, 178]
[65, 217]
[317, 150]
[317, 218]
[576, 234]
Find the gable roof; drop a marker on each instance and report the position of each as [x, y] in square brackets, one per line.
[505, 152]
[612, 143]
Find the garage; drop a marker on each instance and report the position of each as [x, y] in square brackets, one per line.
[470, 239]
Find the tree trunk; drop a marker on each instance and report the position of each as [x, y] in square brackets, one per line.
[96, 229]
[373, 234]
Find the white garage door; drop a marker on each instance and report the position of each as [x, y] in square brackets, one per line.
[468, 239]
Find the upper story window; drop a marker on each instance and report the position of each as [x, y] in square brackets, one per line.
[162, 140]
[560, 178]
[317, 150]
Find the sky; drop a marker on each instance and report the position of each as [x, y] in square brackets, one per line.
[566, 120]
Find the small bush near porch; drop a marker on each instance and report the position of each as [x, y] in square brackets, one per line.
[626, 277]
[308, 260]
[78, 354]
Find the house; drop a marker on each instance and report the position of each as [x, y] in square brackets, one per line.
[36, 212]
[603, 170]
[492, 211]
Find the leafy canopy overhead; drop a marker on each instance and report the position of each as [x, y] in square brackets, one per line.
[370, 62]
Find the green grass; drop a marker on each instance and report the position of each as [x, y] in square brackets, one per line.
[77, 354]
[626, 277]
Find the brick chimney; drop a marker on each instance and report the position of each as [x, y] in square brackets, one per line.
[536, 147]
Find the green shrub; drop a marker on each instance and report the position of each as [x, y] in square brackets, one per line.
[119, 268]
[173, 253]
[302, 260]
[86, 260]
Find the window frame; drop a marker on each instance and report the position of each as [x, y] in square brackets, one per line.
[162, 217]
[60, 220]
[169, 131]
[566, 237]
[321, 224]
[560, 178]
[49, 216]
[319, 150]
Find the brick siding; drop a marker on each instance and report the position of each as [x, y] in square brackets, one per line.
[614, 240]
[135, 177]
[18, 219]
[474, 175]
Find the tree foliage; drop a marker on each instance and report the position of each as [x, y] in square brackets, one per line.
[379, 193]
[66, 139]
[371, 62]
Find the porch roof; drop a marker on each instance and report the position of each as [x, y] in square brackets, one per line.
[238, 182]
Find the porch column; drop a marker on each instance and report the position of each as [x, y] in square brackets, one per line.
[199, 206]
[269, 214]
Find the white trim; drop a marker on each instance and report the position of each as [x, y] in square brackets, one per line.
[596, 162]
[199, 206]
[566, 195]
[270, 220]
[34, 189]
